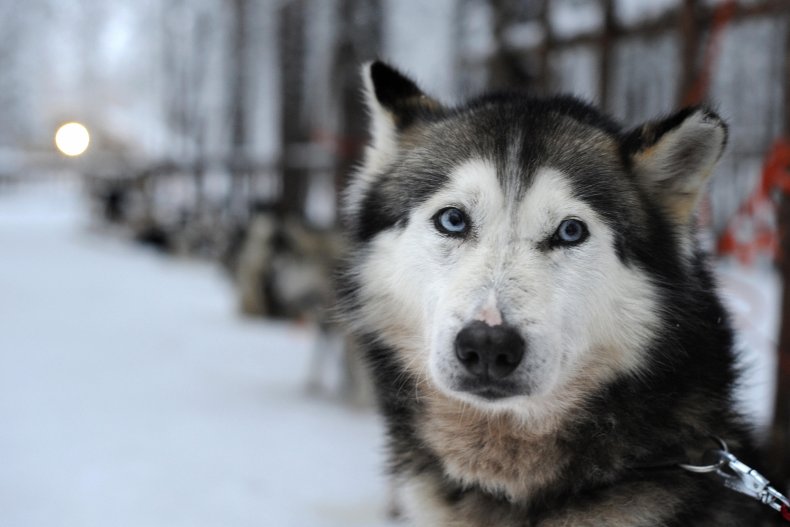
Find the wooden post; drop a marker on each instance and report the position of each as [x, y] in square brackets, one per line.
[360, 23]
[197, 117]
[608, 36]
[779, 441]
[237, 107]
[505, 68]
[294, 131]
[544, 81]
[779, 460]
[689, 49]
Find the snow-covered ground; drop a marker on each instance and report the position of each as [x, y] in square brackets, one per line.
[131, 393]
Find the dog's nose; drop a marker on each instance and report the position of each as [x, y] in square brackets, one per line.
[492, 352]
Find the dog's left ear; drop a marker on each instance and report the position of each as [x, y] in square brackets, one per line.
[674, 157]
[395, 102]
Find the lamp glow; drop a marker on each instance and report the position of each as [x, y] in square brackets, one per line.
[72, 139]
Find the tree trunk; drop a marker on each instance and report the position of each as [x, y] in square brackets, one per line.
[506, 68]
[360, 30]
[606, 43]
[689, 38]
[237, 107]
[295, 135]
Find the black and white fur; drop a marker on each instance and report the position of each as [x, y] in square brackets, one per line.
[625, 365]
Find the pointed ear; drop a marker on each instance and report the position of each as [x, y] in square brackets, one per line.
[674, 157]
[394, 102]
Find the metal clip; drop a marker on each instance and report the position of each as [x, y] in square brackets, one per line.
[740, 477]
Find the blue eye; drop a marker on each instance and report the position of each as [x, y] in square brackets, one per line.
[451, 221]
[570, 232]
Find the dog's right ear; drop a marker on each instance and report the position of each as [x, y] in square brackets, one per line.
[674, 157]
[395, 102]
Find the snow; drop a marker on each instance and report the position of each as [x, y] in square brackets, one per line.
[131, 393]
[753, 296]
[746, 64]
[631, 12]
[576, 72]
[429, 59]
[643, 84]
[570, 18]
[526, 35]
[476, 24]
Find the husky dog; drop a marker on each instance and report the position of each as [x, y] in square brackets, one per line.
[545, 336]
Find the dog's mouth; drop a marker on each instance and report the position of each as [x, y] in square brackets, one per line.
[490, 390]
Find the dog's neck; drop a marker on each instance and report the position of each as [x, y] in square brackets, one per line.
[519, 458]
[498, 452]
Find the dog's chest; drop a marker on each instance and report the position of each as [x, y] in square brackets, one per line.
[494, 452]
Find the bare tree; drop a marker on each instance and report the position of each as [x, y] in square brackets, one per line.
[295, 132]
[506, 66]
[237, 98]
[359, 39]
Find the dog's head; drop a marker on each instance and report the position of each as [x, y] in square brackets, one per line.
[512, 246]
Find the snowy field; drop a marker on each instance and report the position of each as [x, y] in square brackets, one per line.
[131, 393]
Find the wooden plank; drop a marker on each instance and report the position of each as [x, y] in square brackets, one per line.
[668, 22]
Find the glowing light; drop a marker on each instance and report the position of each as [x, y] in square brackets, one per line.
[72, 139]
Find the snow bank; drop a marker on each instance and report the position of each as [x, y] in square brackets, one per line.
[132, 394]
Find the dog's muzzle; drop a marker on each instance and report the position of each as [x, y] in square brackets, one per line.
[489, 354]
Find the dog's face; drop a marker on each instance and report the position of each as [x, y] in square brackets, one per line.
[502, 246]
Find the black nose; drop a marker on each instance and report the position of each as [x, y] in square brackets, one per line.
[489, 351]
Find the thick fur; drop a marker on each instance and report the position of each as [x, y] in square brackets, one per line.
[629, 365]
